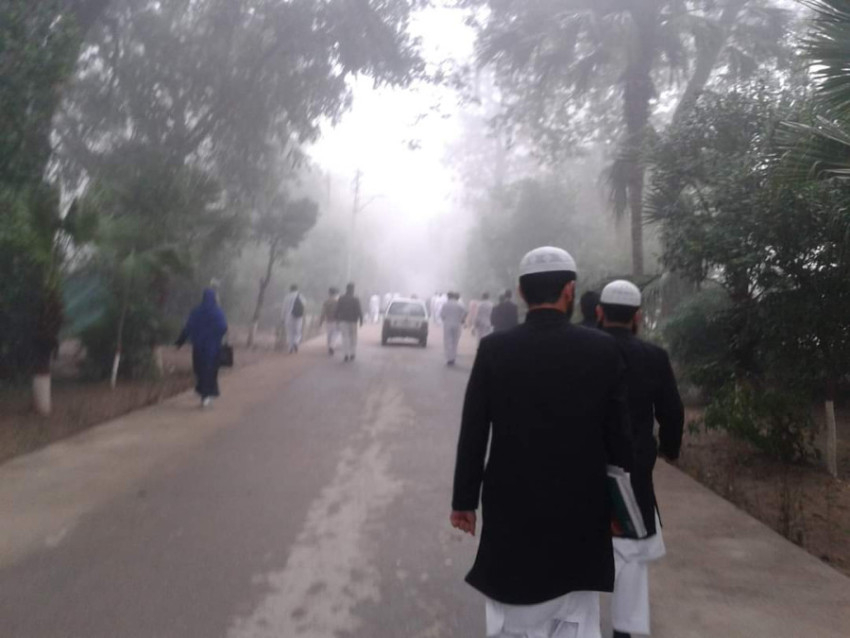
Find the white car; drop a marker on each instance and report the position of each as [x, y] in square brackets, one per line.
[407, 319]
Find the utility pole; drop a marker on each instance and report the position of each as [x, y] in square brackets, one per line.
[354, 210]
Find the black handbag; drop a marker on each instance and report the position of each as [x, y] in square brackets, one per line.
[225, 356]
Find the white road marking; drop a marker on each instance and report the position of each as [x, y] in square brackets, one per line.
[331, 567]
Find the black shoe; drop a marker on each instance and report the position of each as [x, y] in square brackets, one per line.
[450, 363]
[621, 634]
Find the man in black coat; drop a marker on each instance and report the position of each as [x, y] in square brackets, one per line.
[506, 314]
[589, 301]
[549, 398]
[349, 315]
[653, 396]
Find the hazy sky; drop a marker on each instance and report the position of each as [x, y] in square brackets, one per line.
[375, 135]
[398, 139]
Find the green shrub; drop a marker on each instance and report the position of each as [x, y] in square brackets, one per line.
[144, 329]
[698, 337]
[778, 422]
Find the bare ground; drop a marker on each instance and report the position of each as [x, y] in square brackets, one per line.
[803, 502]
[79, 404]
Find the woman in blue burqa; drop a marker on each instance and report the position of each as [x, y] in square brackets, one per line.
[205, 328]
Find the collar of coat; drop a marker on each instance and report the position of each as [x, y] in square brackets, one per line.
[545, 315]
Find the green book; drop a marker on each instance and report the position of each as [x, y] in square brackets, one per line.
[626, 519]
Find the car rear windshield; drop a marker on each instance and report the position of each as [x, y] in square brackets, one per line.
[406, 309]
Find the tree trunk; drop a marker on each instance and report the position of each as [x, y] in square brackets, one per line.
[707, 58]
[636, 210]
[638, 90]
[261, 295]
[45, 346]
[119, 341]
[831, 431]
[41, 394]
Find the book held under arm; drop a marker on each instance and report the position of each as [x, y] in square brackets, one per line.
[626, 519]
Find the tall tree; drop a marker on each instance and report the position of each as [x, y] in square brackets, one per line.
[279, 225]
[575, 71]
[819, 148]
[39, 43]
[227, 86]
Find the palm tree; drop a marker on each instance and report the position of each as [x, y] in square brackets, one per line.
[564, 63]
[821, 149]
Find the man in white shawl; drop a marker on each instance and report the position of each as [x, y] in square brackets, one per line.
[293, 318]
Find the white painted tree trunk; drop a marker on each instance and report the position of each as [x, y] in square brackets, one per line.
[41, 393]
[158, 363]
[831, 439]
[113, 381]
[252, 335]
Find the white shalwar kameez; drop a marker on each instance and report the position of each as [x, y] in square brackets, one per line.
[438, 308]
[452, 316]
[348, 330]
[630, 601]
[574, 615]
[334, 335]
[293, 325]
[483, 325]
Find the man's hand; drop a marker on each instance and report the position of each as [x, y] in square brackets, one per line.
[464, 521]
[671, 461]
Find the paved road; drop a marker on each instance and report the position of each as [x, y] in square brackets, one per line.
[312, 502]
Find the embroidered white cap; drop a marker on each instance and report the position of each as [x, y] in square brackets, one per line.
[546, 259]
[621, 293]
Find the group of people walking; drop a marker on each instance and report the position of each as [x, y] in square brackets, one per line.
[549, 406]
[343, 315]
[482, 318]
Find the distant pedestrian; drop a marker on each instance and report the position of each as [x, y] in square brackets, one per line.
[439, 302]
[374, 308]
[349, 314]
[483, 316]
[452, 316]
[506, 314]
[293, 318]
[328, 318]
[652, 396]
[545, 411]
[471, 312]
[588, 303]
[205, 329]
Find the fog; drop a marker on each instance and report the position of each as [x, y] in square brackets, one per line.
[425, 156]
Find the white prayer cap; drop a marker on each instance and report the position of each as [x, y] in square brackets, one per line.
[621, 293]
[546, 259]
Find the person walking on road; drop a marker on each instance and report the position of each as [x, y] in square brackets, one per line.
[205, 328]
[293, 318]
[349, 315]
[588, 303]
[549, 402]
[374, 309]
[483, 316]
[653, 396]
[328, 318]
[506, 314]
[452, 316]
